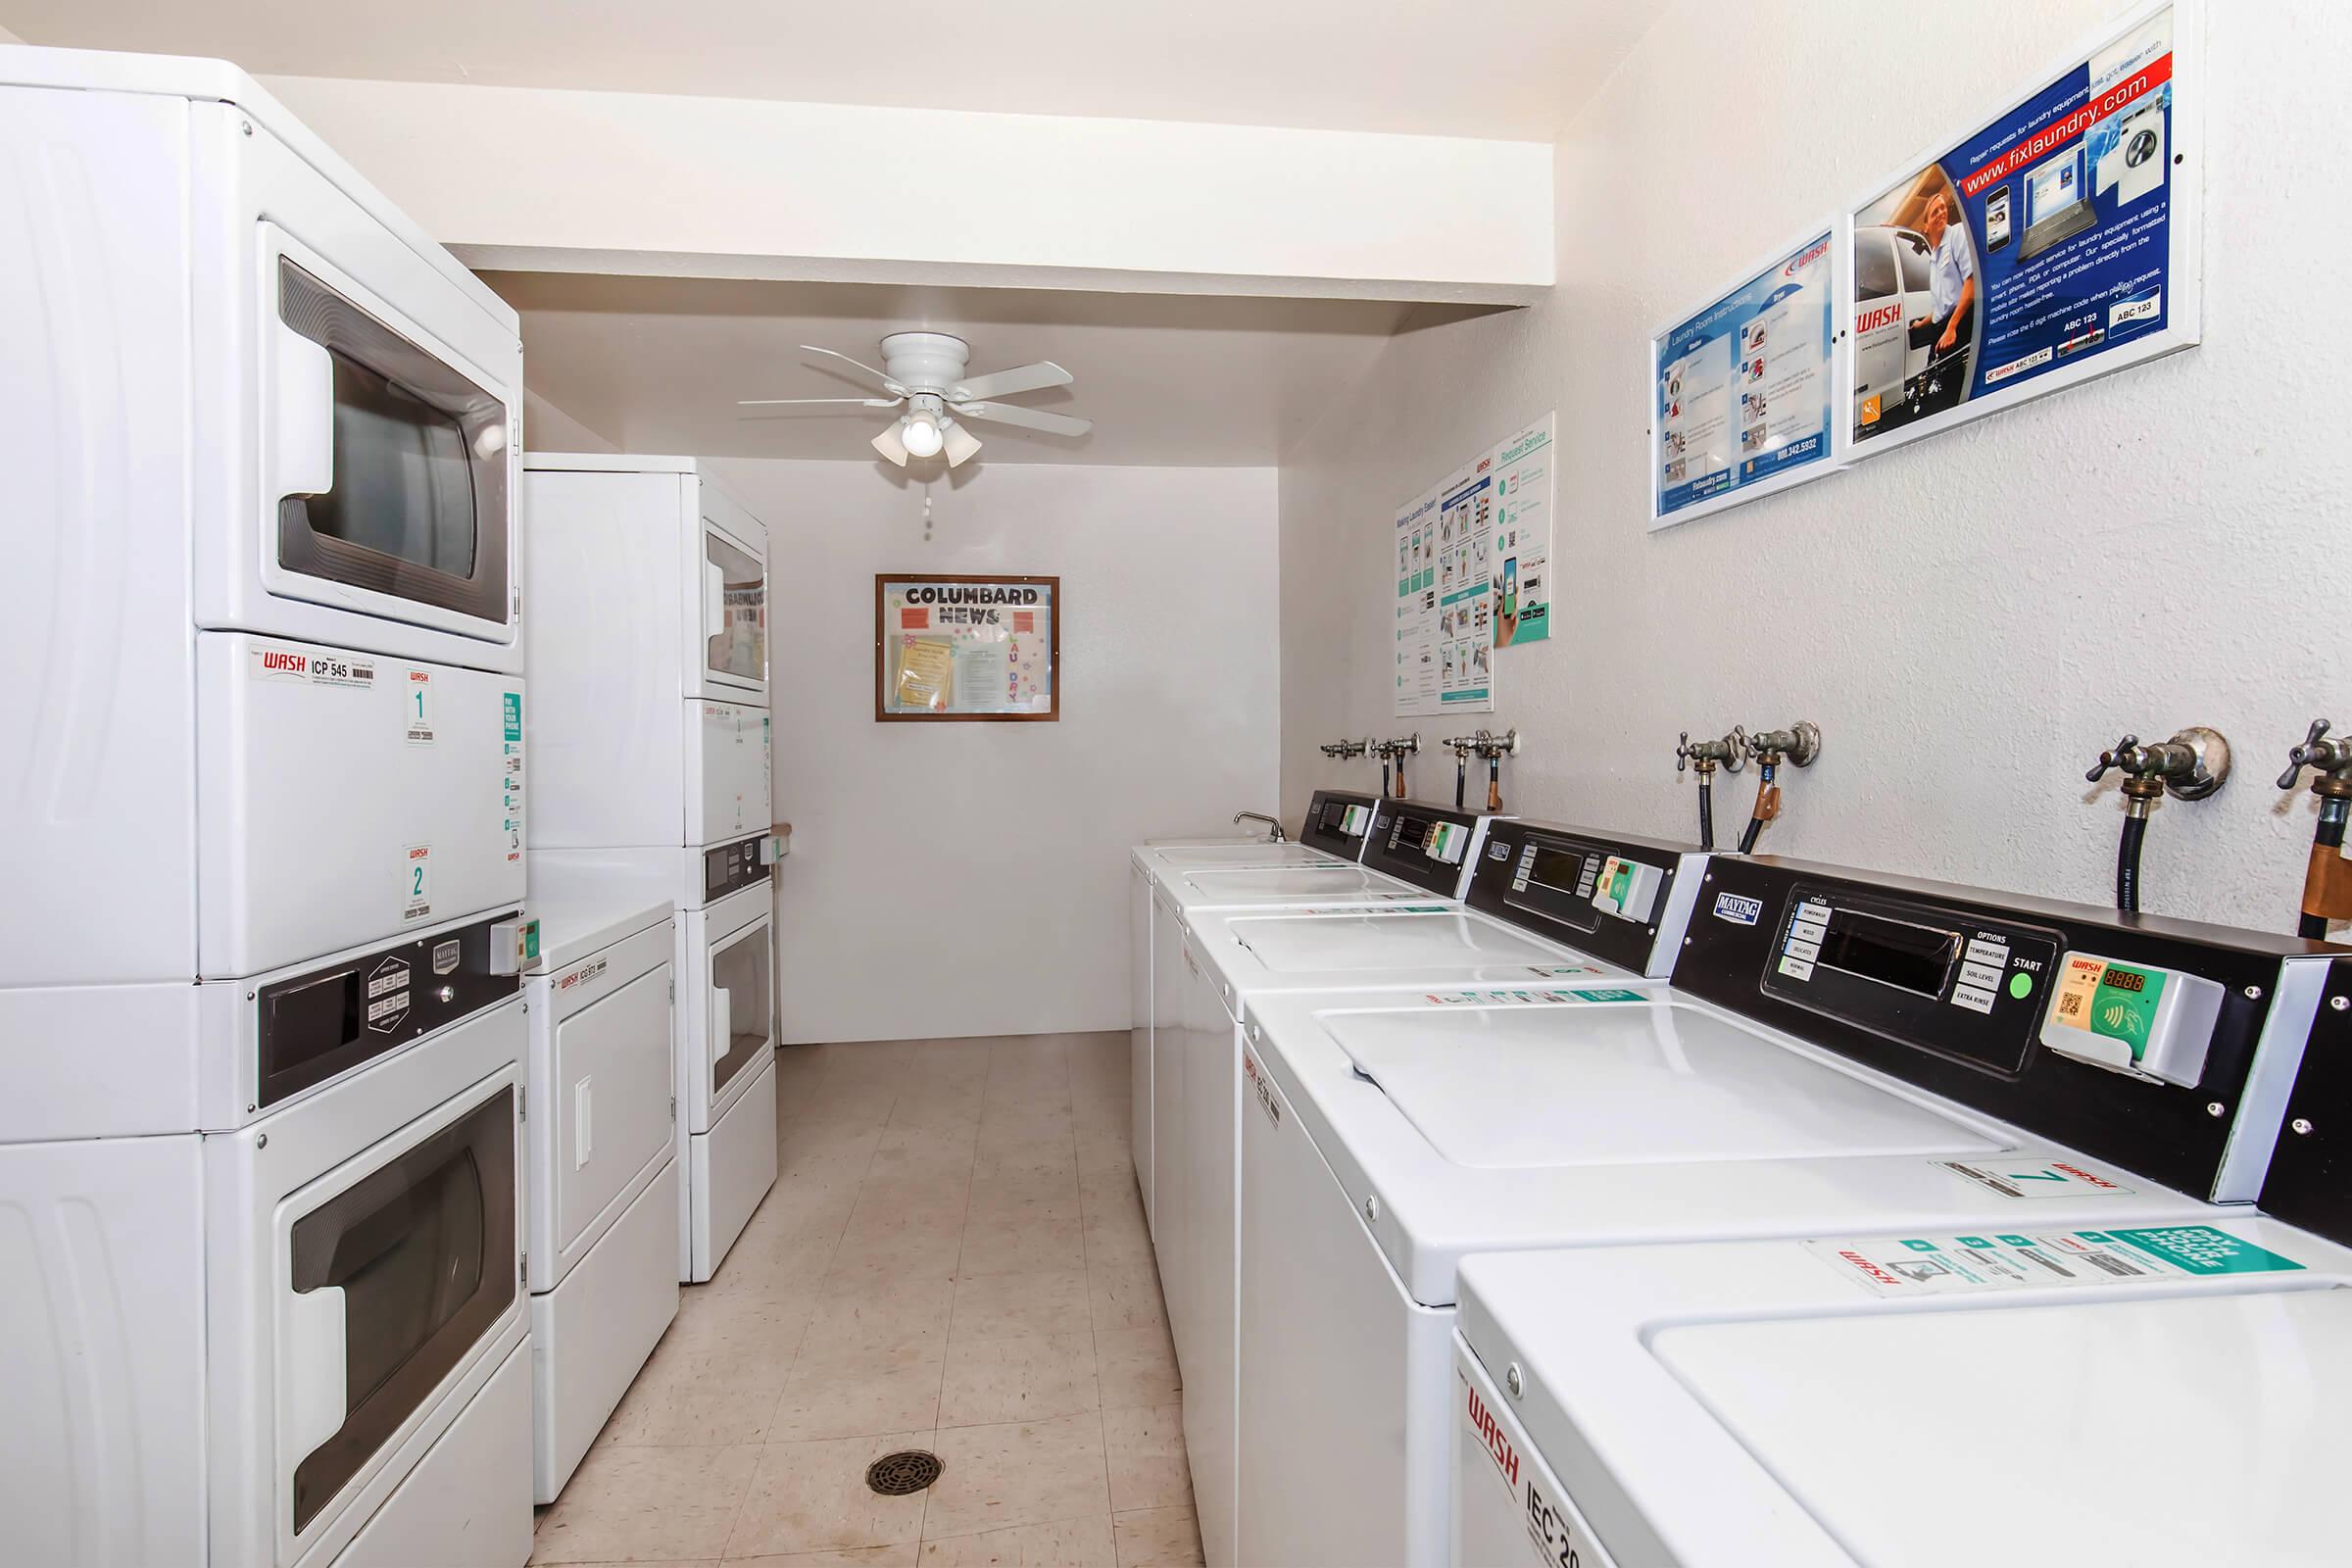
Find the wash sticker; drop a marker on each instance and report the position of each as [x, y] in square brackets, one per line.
[416, 708]
[1515, 999]
[305, 667]
[1949, 1265]
[2057, 1177]
[1260, 1086]
[511, 775]
[417, 882]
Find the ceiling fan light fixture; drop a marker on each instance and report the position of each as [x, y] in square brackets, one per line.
[961, 443]
[919, 434]
[889, 444]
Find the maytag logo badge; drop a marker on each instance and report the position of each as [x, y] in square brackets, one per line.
[1737, 909]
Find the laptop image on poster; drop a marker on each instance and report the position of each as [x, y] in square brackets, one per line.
[2057, 206]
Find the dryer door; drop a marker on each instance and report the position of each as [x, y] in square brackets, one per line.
[391, 1280]
[741, 1031]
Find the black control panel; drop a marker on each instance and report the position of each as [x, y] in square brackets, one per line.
[316, 1026]
[732, 867]
[1610, 895]
[1947, 988]
[2310, 1181]
[1338, 821]
[1421, 843]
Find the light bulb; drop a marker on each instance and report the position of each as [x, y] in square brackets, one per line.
[922, 438]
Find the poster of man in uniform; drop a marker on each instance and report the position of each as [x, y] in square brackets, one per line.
[2049, 246]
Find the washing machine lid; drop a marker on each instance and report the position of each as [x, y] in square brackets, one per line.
[1627, 1082]
[1406, 939]
[1289, 884]
[1182, 857]
[2189, 1408]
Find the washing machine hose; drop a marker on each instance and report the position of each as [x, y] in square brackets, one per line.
[2127, 864]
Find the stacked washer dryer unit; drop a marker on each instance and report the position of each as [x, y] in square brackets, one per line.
[1839, 1051]
[261, 1025]
[604, 1169]
[651, 755]
[2118, 1391]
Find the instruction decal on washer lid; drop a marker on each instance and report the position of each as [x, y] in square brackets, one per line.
[308, 669]
[2025, 1178]
[1514, 999]
[1946, 1265]
[1264, 1090]
[583, 974]
[417, 881]
[416, 708]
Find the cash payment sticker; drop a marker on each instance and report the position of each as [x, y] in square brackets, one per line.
[1946, 1265]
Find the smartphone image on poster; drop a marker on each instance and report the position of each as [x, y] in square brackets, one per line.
[1996, 219]
[1510, 587]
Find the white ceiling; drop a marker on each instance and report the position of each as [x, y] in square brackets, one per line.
[655, 365]
[1509, 68]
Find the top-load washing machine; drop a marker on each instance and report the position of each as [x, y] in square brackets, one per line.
[241, 570]
[1225, 957]
[1839, 1051]
[2127, 1391]
[1325, 840]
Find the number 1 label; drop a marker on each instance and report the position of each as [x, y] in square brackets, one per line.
[417, 716]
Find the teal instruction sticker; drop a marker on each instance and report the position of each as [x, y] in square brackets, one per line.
[513, 710]
[2203, 1250]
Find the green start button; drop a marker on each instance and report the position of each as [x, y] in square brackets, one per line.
[2021, 984]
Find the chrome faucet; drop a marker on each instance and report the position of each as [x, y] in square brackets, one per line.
[1274, 833]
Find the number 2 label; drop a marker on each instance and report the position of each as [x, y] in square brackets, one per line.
[416, 887]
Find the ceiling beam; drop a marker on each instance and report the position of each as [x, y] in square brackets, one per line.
[551, 180]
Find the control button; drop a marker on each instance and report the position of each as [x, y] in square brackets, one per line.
[2021, 984]
[1796, 968]
[1985, 976]
[1985, 950]
[1972, 998]
[1807, 930]
[1807, 951]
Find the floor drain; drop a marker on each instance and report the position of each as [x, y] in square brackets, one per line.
[895, 1475]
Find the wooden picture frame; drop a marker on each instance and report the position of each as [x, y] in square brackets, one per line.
[885, 712]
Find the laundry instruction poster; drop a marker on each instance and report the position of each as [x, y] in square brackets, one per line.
[2052, 244]
[1473, 573]
[1743, 393]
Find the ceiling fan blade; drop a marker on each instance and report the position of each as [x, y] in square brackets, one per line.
[1004, 384]
[865, 371]
[1026, 418]
[891, 446]
[779, 403]
[961, 443]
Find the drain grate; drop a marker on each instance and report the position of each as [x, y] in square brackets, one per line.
[895, 1475]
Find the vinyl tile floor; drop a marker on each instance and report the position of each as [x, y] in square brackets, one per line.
[954, 1258]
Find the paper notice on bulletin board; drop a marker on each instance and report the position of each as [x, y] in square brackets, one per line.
[974, 647]
[2055, 243]
[1473, 570]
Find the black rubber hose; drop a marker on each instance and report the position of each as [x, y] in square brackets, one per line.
[2127, 864]
[1706, 814]
[2329, 834]
[1747, 840]
[1461, 782]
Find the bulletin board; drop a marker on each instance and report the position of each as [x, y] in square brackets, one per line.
[980, 649]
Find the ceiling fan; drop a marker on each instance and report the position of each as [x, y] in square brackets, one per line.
[924, 370]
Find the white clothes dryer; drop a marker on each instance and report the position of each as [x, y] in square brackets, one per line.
[604, 1189]
[2141, 1391]
[1763, 1094]
[725, 1022]
[256, 1347]
[649, 583]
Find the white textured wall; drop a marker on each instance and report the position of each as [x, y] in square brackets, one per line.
[962, 879]
[1969, 619]
[548, 429]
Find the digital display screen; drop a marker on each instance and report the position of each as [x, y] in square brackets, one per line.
[2115, 979]
[313, 1019]
[1414, 830]
[2056, 185]
[1893, 952]
[1559, 870]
